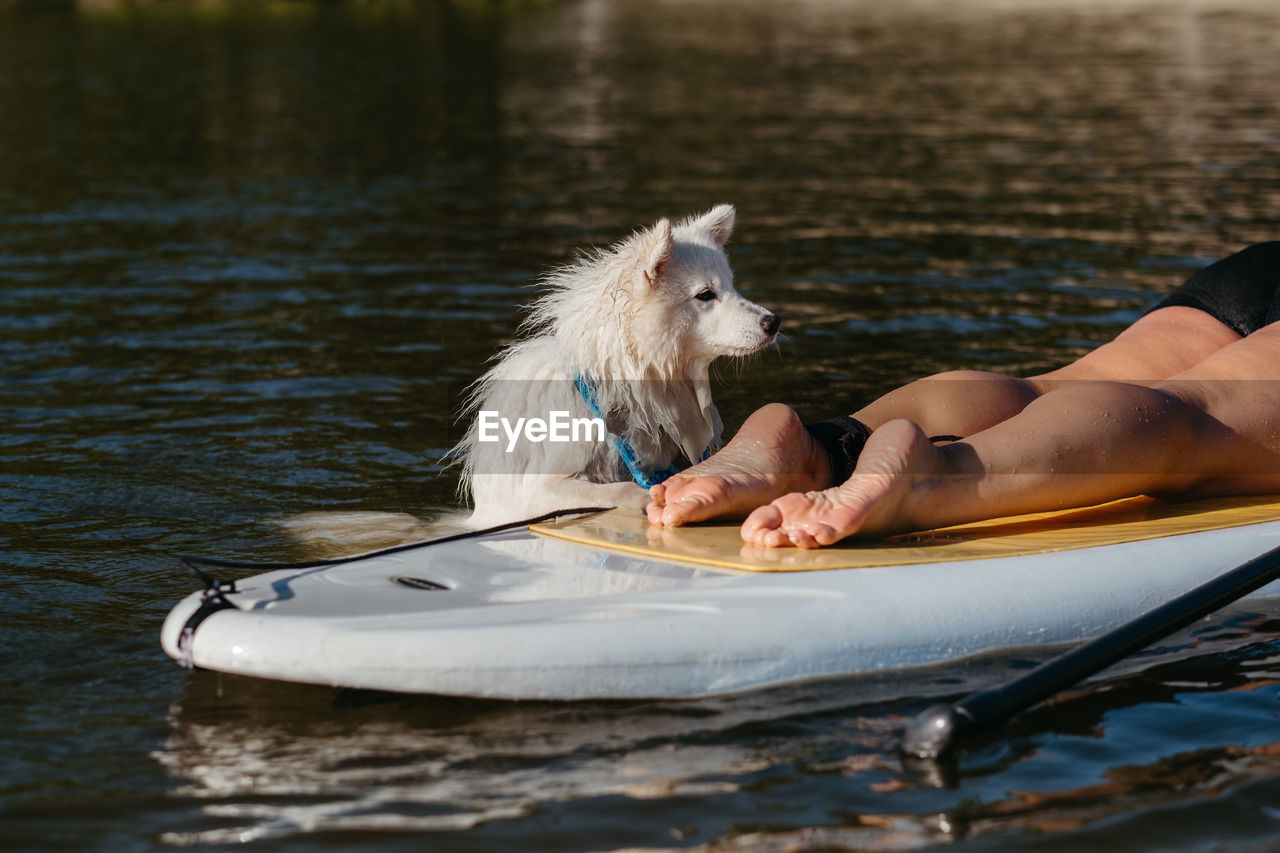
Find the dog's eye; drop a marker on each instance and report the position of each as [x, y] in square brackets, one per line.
[706, 295]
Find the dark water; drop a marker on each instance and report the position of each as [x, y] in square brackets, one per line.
[251, 253]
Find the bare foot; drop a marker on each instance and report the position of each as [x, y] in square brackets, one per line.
[898, 458]
[771, 455]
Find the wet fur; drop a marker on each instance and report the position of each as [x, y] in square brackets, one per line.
[629, 319]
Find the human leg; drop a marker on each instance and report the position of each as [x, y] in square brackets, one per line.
[1214, 429]
[772, 454]
[1156, 346]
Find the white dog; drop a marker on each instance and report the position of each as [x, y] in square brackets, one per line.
[608, 390]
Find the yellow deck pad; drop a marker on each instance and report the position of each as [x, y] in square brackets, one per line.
[718, 544]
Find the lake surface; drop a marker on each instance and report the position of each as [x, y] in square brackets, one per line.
[251, 254]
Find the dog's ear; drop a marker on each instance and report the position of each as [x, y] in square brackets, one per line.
[654, 251]
[717, 222]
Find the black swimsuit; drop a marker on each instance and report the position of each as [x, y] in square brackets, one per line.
[1241, 291]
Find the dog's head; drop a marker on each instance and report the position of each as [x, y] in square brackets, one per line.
[683, 305]
[658, 305]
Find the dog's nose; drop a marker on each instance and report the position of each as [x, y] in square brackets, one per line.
[770, 323]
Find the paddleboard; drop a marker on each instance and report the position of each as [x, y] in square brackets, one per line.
[606, 606]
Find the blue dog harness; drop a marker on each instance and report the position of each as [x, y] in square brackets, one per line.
[587, 389]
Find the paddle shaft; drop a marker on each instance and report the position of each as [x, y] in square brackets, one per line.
[934, 731]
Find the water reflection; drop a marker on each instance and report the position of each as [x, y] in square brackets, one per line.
[264, 760]
[312, 759]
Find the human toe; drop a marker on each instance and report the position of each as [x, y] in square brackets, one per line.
[815, 535]
[670, 490]
[696, 506]
[801, 537]
[759, 523]
[702, 499]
